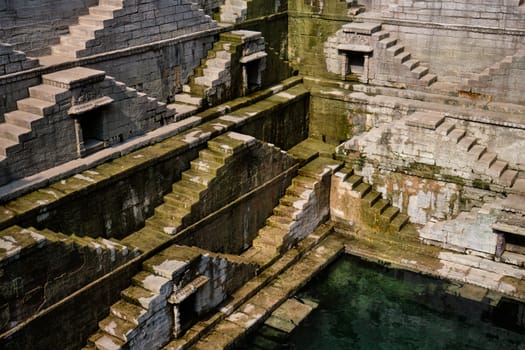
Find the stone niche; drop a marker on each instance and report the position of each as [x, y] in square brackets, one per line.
[350, 50]
[253, 60]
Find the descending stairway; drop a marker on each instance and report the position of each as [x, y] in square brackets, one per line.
[83, 35]
[299, 212]
[430, 138]
[149, 312]
[376, 211]
[481, 80]
[184, 204]
[396, 51]
[212, 81]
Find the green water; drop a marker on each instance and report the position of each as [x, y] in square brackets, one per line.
[366, 306]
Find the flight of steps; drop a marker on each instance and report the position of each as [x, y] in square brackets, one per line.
[298, 213]
[430, 138]
[395, 50]
[483, 161]
[179, 205]
[212, 79]
[144, 305]
[376, 211]
[482, 79]
[82, 35]
[233, 11]
[149, 312]
[20, 125]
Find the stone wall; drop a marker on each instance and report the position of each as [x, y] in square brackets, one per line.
[58, 109]
[12, 61]
[481, 13]
[33, 26]
[49, 268]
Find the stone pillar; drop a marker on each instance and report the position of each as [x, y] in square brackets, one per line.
[364, 78]
[79, 138]
[344, 65]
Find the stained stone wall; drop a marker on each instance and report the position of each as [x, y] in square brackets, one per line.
[33, 26]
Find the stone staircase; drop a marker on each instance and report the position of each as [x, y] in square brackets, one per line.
[481, 80]
[376, 211]
[233, 11]
[410, 66]
[212, 82]
[432, 139]
[149, 312]
[299, 212]
[32, 124]
[12, 61]
[83, 35]
[22, 124]
[176, 211]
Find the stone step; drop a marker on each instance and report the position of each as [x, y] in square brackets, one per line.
[519, 187]
[93, 20]
[171, 213]
[160, 224]
[466, 143]
[207, 166]
[103, 10]
[128, 312]
[66, 51]
[22, 119]
[273, 233]
[188, 99]
[288, 211]
[396, 49]
[230, 143]
[419, 71]
[403, 56]
[299, 191]
[35, 106]
[208, 155]
[399, 222]
[118, 328]
[390, 213]
[411, 64]
[383, 34]
[508, 177]
[200, 177]
[14, 133]
[152, 282]
[105, 341]
[371, 198]
[380, 206]
[83, 31]
[16, 241]
[183, 200]
[476, 151]
[293, 201]
[189, 188]
[320, 167]
[69, 40]
[362, 189]
[218, 63]
[282, 222]
[487, 159]
[114, 3]
[429, 79]
[49, 93]
[304, 181]
[446, 127]
[143, 298]
[172, 262]
[427, 120]
[456, 135]
[388, 42]
[354, 181]
[497, 168]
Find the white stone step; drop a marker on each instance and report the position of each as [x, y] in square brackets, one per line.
[92, 20]
[49, 93]
[188, 99]
[21, 118]
[13, 132]
[35, 106]
[103, 10]
[4, 145]
[83, 30]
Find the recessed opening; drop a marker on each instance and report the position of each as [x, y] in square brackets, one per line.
[253, 74]
[188, 315]
[355, 63]
[92, 127]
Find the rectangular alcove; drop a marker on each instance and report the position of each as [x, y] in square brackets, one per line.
[354, 61]
[90, 125]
